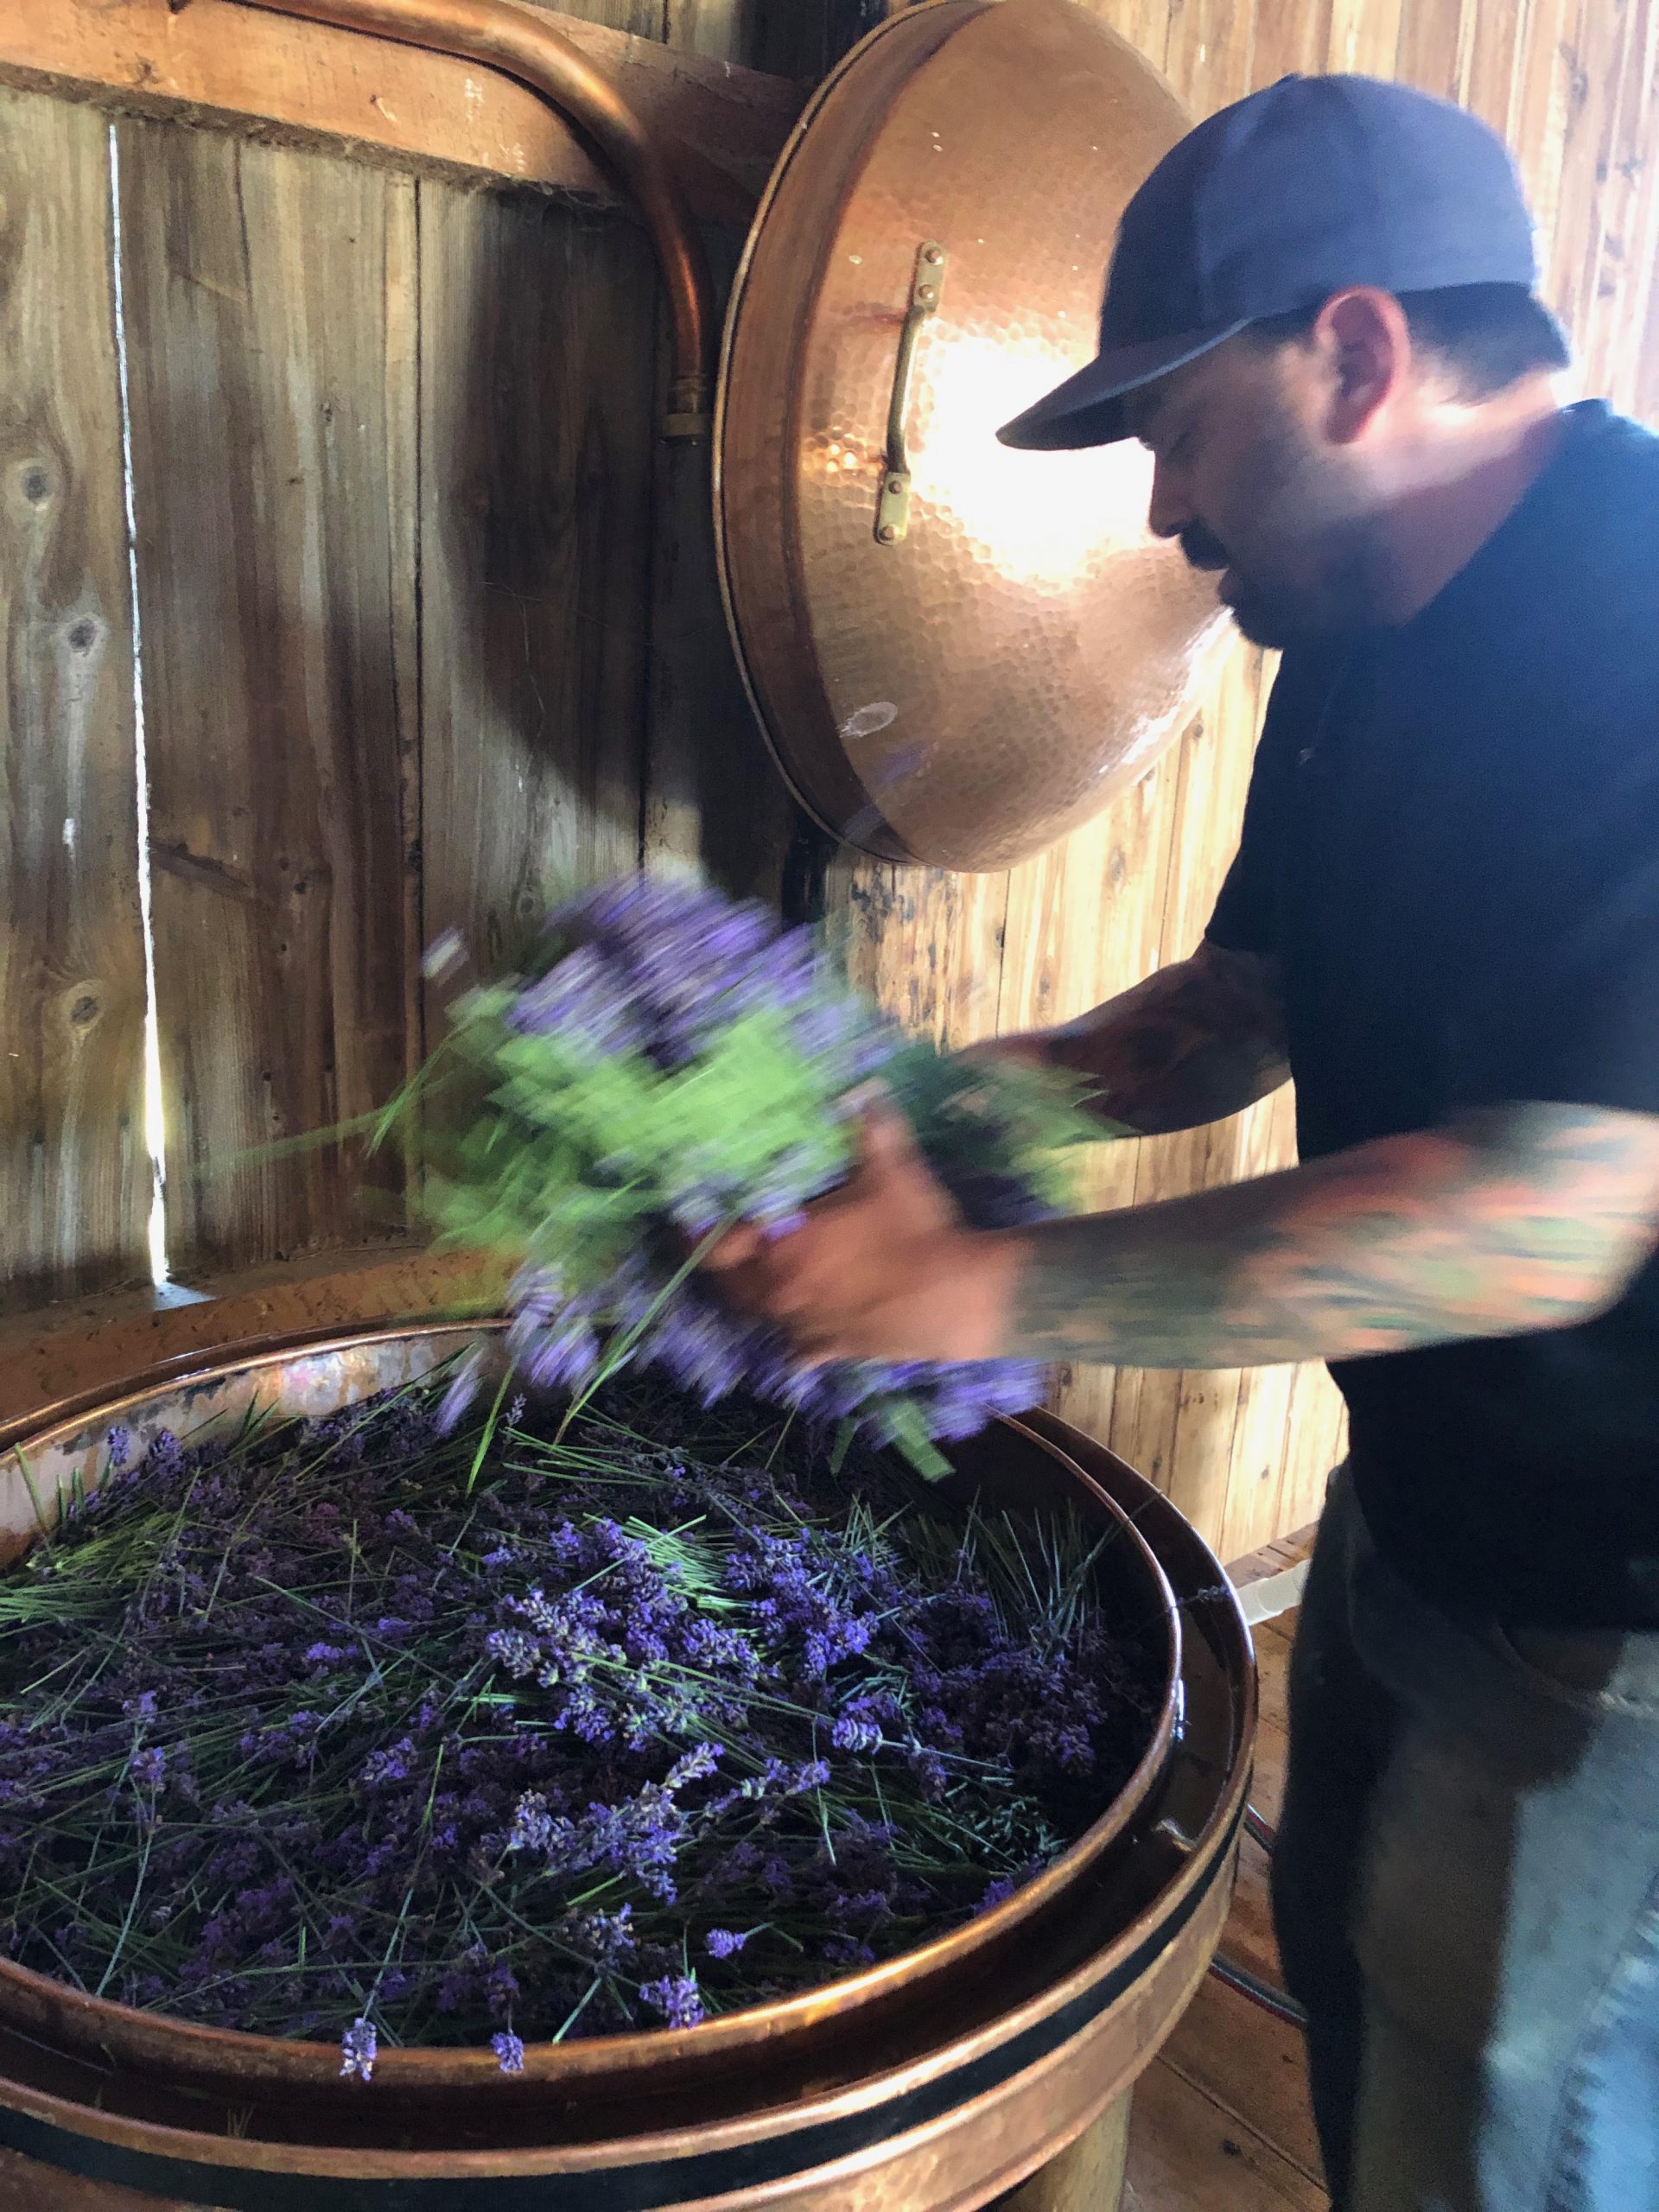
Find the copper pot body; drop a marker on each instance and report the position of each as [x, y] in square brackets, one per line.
[934, 2082]
[964, 683]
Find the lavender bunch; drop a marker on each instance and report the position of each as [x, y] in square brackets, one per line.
[666, 1716]
[667, 1065]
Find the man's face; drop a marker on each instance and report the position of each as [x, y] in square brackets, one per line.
[1252, 489]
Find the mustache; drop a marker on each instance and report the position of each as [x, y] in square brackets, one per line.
[1203, 550]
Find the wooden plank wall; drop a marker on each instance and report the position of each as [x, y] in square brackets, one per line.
[428, 627]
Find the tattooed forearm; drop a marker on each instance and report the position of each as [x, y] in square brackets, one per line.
[1528, 1218]
[1200, 1039]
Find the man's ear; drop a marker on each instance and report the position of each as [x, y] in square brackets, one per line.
[1362, 341]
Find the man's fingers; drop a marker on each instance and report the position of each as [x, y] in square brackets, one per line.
[762, 1277]
[885, 1138]
[738, 1247]
[814, 1342]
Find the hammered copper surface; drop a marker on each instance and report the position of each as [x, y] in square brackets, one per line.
[966, 695]
[981, 2056]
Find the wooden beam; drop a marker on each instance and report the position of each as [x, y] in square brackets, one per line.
[71, 1352]
[274, 77]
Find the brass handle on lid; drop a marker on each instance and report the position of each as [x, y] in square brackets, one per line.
[892, 510]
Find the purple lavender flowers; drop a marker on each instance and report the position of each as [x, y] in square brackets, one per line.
[669, 1714]
[678, 1997]
[669, 1063]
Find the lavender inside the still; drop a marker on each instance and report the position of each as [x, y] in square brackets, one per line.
[667, 1063]
[535, 1726]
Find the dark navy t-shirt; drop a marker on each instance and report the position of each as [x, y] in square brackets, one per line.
[1452, 845]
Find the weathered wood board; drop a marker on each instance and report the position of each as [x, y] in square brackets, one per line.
[538, 377]
[74, 1173]
[270, 300]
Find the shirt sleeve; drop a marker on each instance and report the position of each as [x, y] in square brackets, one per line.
[1242, 919]
[1246, 917]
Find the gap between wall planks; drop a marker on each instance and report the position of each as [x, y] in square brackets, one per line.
[75, 1174]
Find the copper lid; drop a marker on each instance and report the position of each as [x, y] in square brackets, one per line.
[957, 652]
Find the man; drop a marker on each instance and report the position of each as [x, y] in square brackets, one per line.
[1443, 921]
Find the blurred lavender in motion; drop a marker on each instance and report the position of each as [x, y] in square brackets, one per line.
[670, 1063]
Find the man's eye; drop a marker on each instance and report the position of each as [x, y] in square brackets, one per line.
[1165, 449]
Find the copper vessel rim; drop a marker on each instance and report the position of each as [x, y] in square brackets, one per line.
[247, 2154]
[549, 2062]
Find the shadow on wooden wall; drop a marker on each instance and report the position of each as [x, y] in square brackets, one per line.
[537, 385]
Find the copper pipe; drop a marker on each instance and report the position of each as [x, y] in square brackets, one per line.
[1271, 1998]
[510, 39]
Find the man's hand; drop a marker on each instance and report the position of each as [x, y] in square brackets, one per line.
[1523, 1218]
[1028, 1048]
[1195, 1042]
[884, 1267]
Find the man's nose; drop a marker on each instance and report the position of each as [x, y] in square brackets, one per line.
[1170, 510]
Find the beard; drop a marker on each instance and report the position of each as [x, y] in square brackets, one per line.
[1303, 561]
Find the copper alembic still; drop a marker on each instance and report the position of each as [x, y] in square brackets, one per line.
[956, 652]
[991, 2065]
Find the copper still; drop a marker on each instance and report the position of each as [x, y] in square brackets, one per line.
[933, 2082]
[956, 653]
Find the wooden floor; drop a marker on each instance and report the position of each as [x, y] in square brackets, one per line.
[1220, 2117]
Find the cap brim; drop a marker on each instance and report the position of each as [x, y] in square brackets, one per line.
[1087, 410]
